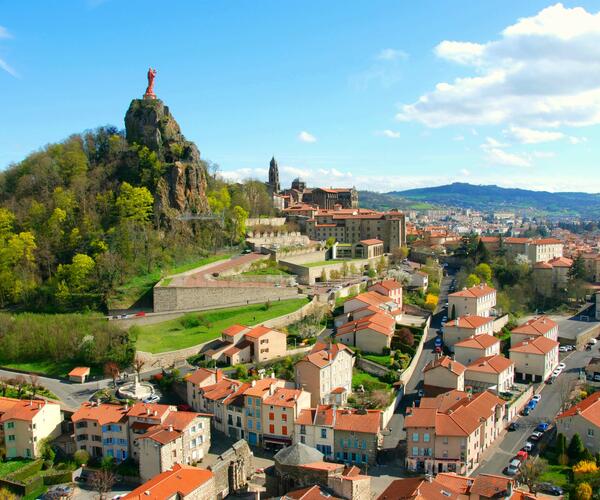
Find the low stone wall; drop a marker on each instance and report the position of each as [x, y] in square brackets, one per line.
[500, 322]
[265, 221]
[305, 258]
[386, 415]
[408, 373]
[519, 403]
[371, 367]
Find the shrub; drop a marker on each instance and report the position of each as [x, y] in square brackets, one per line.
[583, 491]
[54, 476]
[190, 321]
[405, 336]
[81, 457]
[585, 467]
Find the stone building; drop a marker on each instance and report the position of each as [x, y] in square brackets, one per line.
[551, 277]
[232, 470]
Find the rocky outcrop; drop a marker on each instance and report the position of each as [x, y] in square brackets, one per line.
[182, 189]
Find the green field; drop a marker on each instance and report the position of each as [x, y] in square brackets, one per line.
[139, 286]
[380, 359]
[171, 335]
[559, 475]
[48, 368]
[370, 382]
[267, 271]
[12, 466]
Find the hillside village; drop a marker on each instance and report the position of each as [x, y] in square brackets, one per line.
[329, 351]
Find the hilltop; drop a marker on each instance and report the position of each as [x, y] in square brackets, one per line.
[492, 197]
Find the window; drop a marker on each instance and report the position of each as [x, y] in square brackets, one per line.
[249, 401]
[415, 451]
[364, 458]
[426, 437]
[303, 429]
[445, 440]
[324, 433]
[249, 424]
[258, 413]
[12, 437]
[590, 432]
[258, 426]
[415, 437]
[10, 425]
[303, 439]
[284, 430]
[364, 444]
[271, 429]
[284, 417]
[271, 416]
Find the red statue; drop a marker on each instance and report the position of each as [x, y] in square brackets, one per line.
[150, 90]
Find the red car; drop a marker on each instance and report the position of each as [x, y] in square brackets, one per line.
[141, 313]
[438, 349]
[522, 455]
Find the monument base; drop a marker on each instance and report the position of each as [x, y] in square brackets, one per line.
[149, 96]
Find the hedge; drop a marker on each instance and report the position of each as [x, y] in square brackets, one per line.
[54, 476]
[26, 471]
[23, 488]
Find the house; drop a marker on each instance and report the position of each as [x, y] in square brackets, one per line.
[326, 373]
[443, 374]
[79, 374]
[452, 436]
[390, 288]
[468, 350]
[181, 482]
[253, 407]
[535, 327]
[592, 369]
[582, 418]
[478, 300]
[364, 249]
[493, 372]
[371, 334]
[591, 263]
[373, 300]
[419, 280]
[314, 427]
[161, 437]
[552, 276]
[447, 485]
[102, 430]
[464, 327]
[244, 344]
[357, 435]
[309, 493]
[534, 250]
[535, 359]
[279, 412]
[24, 423]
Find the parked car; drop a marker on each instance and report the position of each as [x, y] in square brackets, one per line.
[562, 366]
[536, 436]
[588, 347]
[526, 411]
[140, 314]
[593, 341]
[536, 398]
[542, 427]
[556, 372]
[154, 398]
[420, 393]
[438, 342]
[597, 377]
[522, 455]
[563, 348]
[513, 467]
[438, 349]
[527, 447]
[551, 380]
[550, 489]
[513, 426]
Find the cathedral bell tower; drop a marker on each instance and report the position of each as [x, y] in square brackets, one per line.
[274, 176]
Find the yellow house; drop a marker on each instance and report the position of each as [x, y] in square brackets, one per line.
[26, 423]
[279, 412]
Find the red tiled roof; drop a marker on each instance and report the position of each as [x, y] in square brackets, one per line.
[589, 409]
[283, 397]
[148, 409]
[445, 362]
[490, 364]
[444, 401]
[259, 331]
[319, 354]
[21, 409]
[536, 326]
[221, 389]
[351, 420]
[388, 284]
[490, 486]
[234, 330]
[180, 481]
[482, 341]
[261, 386]
[469, 322]
[104, 413]
[475, 291]
[310, 493]
[371, 242]
[538, 345]
[200, 375]
[80, 371]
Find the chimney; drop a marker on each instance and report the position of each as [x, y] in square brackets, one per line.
[218, 375]
[147, 411]
[126, 406]
[170, 428]
[253, 383]
[155, 413]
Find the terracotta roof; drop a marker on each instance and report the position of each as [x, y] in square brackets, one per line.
[490, 239]
[371, 242]
[536, 326]
[561, 262]
[181, 480]
[539, 345]
[469, 322]
[104, 413]
[542, 265]
[456, 483]
[310, 493]
[547, 241]
[283, 397]
[378, 322]
[322, 466]
[351, 420]
[231, 351]
[80, 371]
[261, 386]
[372, 298]
[490, 364]
[444, 401]
[147, 410]
[445, 362]
[234, 330]
[200, 375]
[491, 486]
[482, 341]
[402, 489]
[319, 354]
[259, 331]
[589, 409]
[322, 415]
[388, 284]
[475, 291]
[221, 389]
[21, 409]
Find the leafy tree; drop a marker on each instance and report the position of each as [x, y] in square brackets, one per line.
[111, 369]
[329, 242]
[381, 265]
[81, 457]
[431, 301]
[481, 253]
[531, 471]
[134, 203]
[405, 336]
[151, 168]
[472, 280]
[561, 444]
[576, 448]
[484, 272]
[583, 491]
[239, 217]
[219, 200]
[577, 270]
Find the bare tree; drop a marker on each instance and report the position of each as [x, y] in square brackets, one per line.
[531, 470]
[102, 481]
[565, 388]
[138, 364]
[111, 369]
[3, 386]
[20, 383]
[34, 383]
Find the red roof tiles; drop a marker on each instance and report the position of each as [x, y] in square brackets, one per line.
[178, 482]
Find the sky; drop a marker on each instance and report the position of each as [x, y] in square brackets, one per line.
[381, 95]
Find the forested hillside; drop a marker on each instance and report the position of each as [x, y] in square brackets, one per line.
[81, 217]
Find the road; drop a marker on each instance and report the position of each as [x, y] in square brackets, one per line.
[496, 457]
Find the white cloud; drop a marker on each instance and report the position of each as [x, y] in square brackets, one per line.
[490, 142]
[4, 33]
[304, 136]
[465, 172]
[543, 72]
[392, 134]
[530, 136]
[9, 69]
[391, 55]
[577, 140]
[241, 174]
[500, 157]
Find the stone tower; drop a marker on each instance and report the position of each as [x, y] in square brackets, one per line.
[274, 177]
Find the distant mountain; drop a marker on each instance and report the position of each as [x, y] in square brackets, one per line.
[490, 197]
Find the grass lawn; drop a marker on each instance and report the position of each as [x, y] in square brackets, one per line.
[11, 466]
[380, 359]
[48, 368]
[367, 380]
[556, 474]
[171, 335]
[329, 262]
[267, 271]
[134, 289]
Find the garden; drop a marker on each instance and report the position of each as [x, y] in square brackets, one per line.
[371, 392]
[196, 328]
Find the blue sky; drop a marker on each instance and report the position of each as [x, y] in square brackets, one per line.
[383, 95]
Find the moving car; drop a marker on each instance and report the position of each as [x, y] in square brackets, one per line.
[513, 467]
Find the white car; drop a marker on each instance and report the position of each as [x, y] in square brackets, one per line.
[562, 366]
[563, 348]
[536, 435]
[556, 372]
[528, 446]
[536, 398]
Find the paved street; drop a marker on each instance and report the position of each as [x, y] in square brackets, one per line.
[497, 457]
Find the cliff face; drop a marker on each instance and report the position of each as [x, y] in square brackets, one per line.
[182, 189]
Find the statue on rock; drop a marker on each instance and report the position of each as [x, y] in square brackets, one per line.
[150, 90]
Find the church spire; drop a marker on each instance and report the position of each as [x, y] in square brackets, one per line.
[274, 176]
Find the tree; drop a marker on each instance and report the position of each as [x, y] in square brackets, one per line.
[329, 242]
[576, 448]
[561, 444]
[453, 312]
[381, 265]
[6, 494]
[583, 491]
[138, 364]
[531, 470]
[577, 270]
[111, 369]
[406, 337]
[484, 271]
[19, 382]
[472, 280]
[81, 457]
[239, 217]
[102, 481]
[34, 384]
[431, 301]
[134, 203]
[481, 253]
